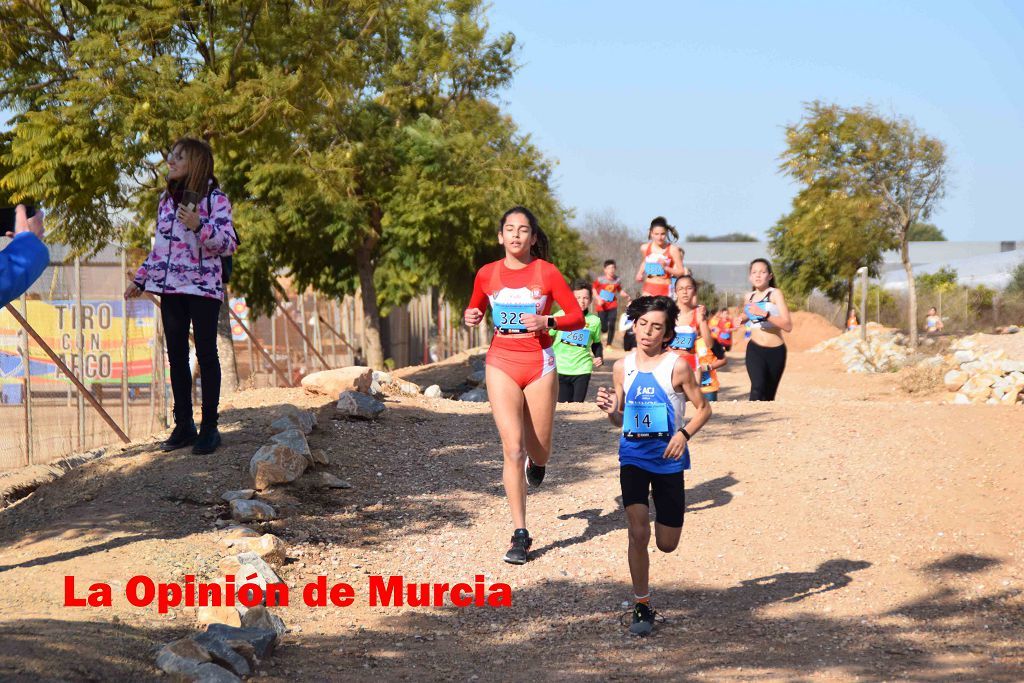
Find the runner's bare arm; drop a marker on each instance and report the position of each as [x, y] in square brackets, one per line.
[781, 320]
[677, 269]
[705, 330]
[684, 380]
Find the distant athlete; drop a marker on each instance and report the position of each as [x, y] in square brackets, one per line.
[768, 317]
[662, 260]
[607, 290]
[691, 322]
[651, 387]
[578, 352]
[520, 370]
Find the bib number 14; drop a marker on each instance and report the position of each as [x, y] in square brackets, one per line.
[645, 421]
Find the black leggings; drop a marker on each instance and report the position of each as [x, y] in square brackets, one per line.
[178, 311]
[608, 323]
[765, 365]
[573, 388]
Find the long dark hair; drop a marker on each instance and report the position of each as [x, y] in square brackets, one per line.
[771, 274]
[645, 304]
[662, 222]
[200, 169]
[542, 248]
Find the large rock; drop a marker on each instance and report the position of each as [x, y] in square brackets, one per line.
[240, 494]
[268, 546]
[433, 391]
[296, 441]
[337, 381]
[181, 658]
[260, 617]
[277, 463]
[222, 653]
[250, 510]
[954, 379]
[477, 378]
[291, 417]
[353, 404]
[262, 640]
[475, 395]
[964, 356]
[218, 615]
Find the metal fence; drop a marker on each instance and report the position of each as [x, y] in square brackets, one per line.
[116, 350]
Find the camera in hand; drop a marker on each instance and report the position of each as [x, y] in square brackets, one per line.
[8, 215]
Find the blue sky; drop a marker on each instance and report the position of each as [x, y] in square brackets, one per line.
[678, 108]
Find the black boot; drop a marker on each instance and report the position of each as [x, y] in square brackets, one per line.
[184, 434]
[209, 439]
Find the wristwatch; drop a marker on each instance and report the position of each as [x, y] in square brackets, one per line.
[682, 430]
[551, 322]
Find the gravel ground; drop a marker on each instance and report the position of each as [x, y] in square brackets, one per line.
[846, 532]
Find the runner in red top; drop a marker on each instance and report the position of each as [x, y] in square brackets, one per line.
[691, 323]
[607, 290]
[521, 383]
[662, 260]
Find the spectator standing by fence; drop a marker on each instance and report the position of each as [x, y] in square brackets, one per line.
[186, 268]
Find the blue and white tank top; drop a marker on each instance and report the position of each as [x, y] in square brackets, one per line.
[652, 414]
[756, 310]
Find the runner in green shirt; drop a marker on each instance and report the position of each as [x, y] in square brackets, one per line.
[578, 352]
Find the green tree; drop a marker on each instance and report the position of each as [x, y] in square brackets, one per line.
[925, 232]
[825, 240]
[358, 145]
[944, 280]
[728, 237]
[1016, 284]
[860, 152]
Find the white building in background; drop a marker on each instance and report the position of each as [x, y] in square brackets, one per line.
[725, 264]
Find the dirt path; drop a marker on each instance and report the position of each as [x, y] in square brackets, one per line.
[844, 532]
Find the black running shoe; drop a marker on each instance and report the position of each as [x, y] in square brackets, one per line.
[517, 551]
[208, 441]
[643, 619]
[534, 473]
[184, 434]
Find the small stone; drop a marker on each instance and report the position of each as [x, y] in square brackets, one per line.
[409, 388]
[477, 378]
[261, 617]
[319, 456]
[249, 510]
[352, 404]
[961, 400]
[381, 376]
[265, 572]
[433, 391]
[475, 396]
[240, 494]
[218, 615]
[964, 356]
[954, 379]
[333, 482]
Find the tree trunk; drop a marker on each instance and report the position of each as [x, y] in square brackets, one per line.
[911, 291]
[226, 352]
[373, 350]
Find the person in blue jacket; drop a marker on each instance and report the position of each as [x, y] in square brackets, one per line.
[25, 258]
